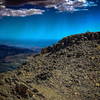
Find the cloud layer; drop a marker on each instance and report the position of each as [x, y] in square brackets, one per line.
[20, 12]
[60, 5]
[73, 5]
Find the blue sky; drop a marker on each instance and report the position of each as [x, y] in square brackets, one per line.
[52, 25]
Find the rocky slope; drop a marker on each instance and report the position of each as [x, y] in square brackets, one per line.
[69, 70]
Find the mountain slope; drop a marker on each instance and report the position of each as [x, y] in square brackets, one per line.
[69, 70]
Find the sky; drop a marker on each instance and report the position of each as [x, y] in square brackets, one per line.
[52, 24]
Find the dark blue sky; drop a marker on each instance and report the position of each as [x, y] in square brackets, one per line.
[52, 25]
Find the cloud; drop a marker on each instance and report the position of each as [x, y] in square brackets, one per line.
[21, 12]
[72, 5]
[60, 5]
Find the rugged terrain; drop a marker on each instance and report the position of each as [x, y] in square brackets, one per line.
[68, 70]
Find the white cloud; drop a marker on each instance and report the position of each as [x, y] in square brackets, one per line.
[84, 1]
[20, 12]
[73, 5]
[64, 5]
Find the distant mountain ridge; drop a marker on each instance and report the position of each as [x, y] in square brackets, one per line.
[6, 50]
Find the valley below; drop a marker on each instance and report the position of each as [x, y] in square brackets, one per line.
[11, 56]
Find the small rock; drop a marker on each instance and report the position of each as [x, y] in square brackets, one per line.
[98, 84]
